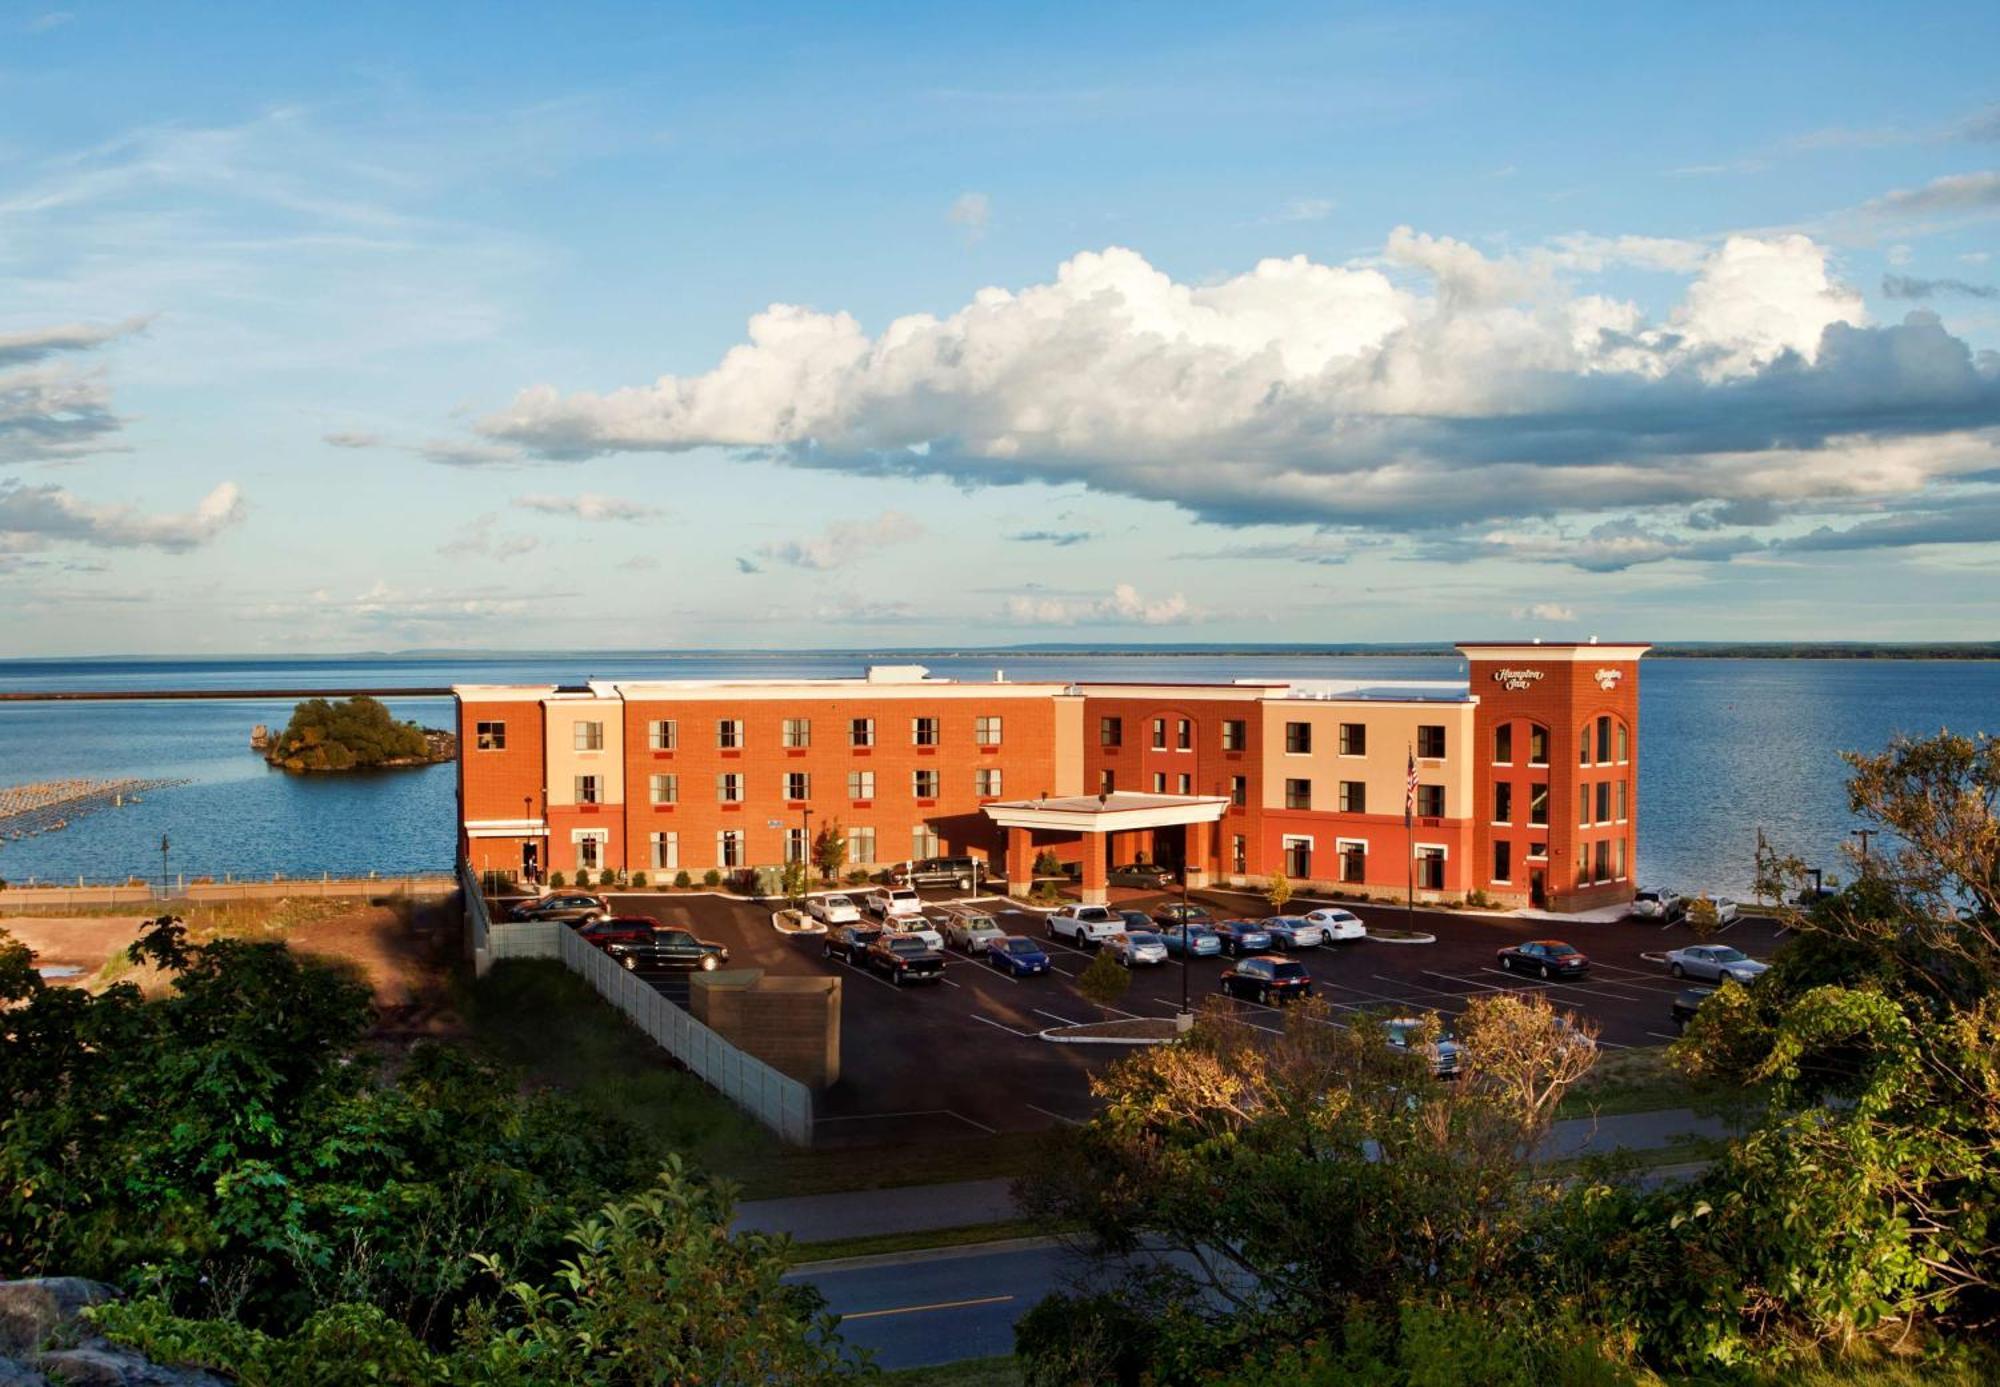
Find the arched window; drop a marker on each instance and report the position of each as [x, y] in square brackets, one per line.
[1538, 744]
[1503, 744]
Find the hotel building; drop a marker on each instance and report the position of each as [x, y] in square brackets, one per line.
[1525, 776]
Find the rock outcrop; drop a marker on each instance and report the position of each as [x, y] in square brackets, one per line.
[45, 1341]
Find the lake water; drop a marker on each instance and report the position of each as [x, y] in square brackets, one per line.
[1728, 747]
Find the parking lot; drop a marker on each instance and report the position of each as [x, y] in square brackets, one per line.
[963, 1057]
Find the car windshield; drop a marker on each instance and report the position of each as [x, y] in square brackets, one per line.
[1290, 970]
[837, 901]
[978, 922]
[1558, 950]
[1728, 955]
[1019, 946]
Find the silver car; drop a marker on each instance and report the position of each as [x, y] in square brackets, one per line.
[971, 930]
[1713, 963]
[1136, 947]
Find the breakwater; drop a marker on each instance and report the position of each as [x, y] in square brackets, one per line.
[47, 806]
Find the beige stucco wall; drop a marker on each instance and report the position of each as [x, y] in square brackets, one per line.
[1068, 775]
[1392, 732]
[566, 763]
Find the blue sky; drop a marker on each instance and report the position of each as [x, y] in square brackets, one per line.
[369, 326]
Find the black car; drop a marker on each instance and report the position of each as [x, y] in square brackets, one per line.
[936, 871]
[1545, 958]
[905, 958]
[567, 906]
[850, 942]
[1173, 913]
[1135, 920]
[668, 948]
[617, 929]
[1150, 875]
[1267, 978]
[1686, 1003]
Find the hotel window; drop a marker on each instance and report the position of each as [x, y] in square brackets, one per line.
[1353, 859]
[589, 851]
[1354, 739]
[729, 848]
[861, 732]
[1186, 783]
[1430, 801]
[1239, 789]
[1503, 802]
[588, 736]
[1298, 794]
[986, 731]
[666, 851]
[1111, 732]
[1601, 859]
[666, 789]
[1430, 868]
[1618, 858]
[861, 845]
[861, 784]
[1538, 852]
[1107, 781]
[1353, 797]
[1298, 858]
[1430, 741]
[798, 733]
[729, 788]
[1604, 741]
[729, 734]
[1184, 735]
[1239, 861]
[1583, 747]
[1503, 855]
[1159, 782]
[795, 845]
[1621, 802]
[1624, 744]
[1503, 744]
[1159, 734]
[798, 785]
[1538, 745]
[923, 841]
[1298, 738]
[1583, 803]
[923, 784]
[1583, 866]
[1538, 805]
[986, 780]
[586, 789]
[663, 734]
[1235, 734]
[923, 731]
[492, 736]
[1604, 801]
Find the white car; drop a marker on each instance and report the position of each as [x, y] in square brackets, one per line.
[1713, 962]
[888, 903]
[917, 927]
[833, 910]
[1664, 906]
[1727, 911]
[1085, 924]
[1336, 925]
[971, 930]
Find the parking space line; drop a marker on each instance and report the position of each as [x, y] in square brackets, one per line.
[1053, 1017]
[971, 1122]
[1072, 1121]
[1025, 1035]
[1566, 986]
[1658, 1036]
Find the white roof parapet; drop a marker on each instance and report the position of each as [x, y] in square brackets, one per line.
[1114, 813]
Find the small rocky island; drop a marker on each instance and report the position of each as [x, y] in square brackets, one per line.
[353, 734]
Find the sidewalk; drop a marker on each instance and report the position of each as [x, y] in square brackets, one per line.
[922, 1208]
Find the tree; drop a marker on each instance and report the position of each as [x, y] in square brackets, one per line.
[353, 734]
[1105, 980]
[1279, 891]
[830, 850]
[793, 881]
[1703, 919]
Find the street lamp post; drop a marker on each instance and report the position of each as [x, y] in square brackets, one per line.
[805, 850]
[1864, 834]
[163, 866]
[1187, 937]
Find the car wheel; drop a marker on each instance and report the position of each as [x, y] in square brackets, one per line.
[1507, 962]
[1264, 995]
[1546, 975]
[709, 963]
[897, 977]
[1676, 970]
[631, 963]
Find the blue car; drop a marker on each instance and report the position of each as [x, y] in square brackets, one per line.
[1240, 937]
[1017, 955]
[1199, 941]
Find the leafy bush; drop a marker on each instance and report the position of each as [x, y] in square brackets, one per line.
[556, 880]
[582, 878]
[1279, 890]
[1105, 980]
[353, 734]
[1047, 864]
[638, 881]
[857, 877]
[683, 880]
[711, 878]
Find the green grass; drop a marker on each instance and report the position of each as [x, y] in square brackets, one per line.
[540, 1019]
[785, 1171]
[974, 1372]
[922, 1240]
[1636, 1080]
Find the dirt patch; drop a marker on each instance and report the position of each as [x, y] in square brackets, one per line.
[1137, 1028]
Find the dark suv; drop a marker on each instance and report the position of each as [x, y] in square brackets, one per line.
[617, 929]
[936, 871]
[566, 906]
[668, 948]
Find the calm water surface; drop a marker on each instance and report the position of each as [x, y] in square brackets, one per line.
[1727, 747]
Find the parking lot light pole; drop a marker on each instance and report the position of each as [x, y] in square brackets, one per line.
[1187, 940]
[805, 853]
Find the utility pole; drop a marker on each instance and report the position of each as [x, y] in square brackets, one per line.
[805, 849]
[163, 866]
[1187, 935]
[1864, 834]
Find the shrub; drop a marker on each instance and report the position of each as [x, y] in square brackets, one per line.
[683, 880]
[556, 880]
[1279, 892]
[582, 877]
[1105, 980]
[1046, 893]
[858, 877]
[638, 881]
[711, 878]
[1047, 864]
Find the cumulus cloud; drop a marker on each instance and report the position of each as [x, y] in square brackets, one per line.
[844, 541]
[1124, 607]
[587, 505]
[970, 212]
[34, 516]
[1907, 287]
[1433, 388]
[1544, 611]
[49, 411]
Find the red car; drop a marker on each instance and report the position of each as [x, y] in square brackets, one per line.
[1545, 958]
[618, 929]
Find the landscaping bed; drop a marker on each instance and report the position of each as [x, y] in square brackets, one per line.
[1137, 1030]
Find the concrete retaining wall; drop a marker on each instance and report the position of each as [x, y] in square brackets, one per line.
[82, 897]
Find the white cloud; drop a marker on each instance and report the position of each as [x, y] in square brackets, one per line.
[970, 212]
[1445, 387]
[353, 438]
[843, 542]
[1956, 192]
[1544, 611]
[453, 452]
[1304, 209]
[48, 21]
[50, 412]
[32, 517]
[1124, 607]
[587, 505]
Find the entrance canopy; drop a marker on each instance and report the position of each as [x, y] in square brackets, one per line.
[1092, 819]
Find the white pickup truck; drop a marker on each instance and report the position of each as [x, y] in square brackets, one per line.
[890, 903]
[1085, 924]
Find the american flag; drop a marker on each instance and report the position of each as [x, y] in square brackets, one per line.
[1410, 792]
